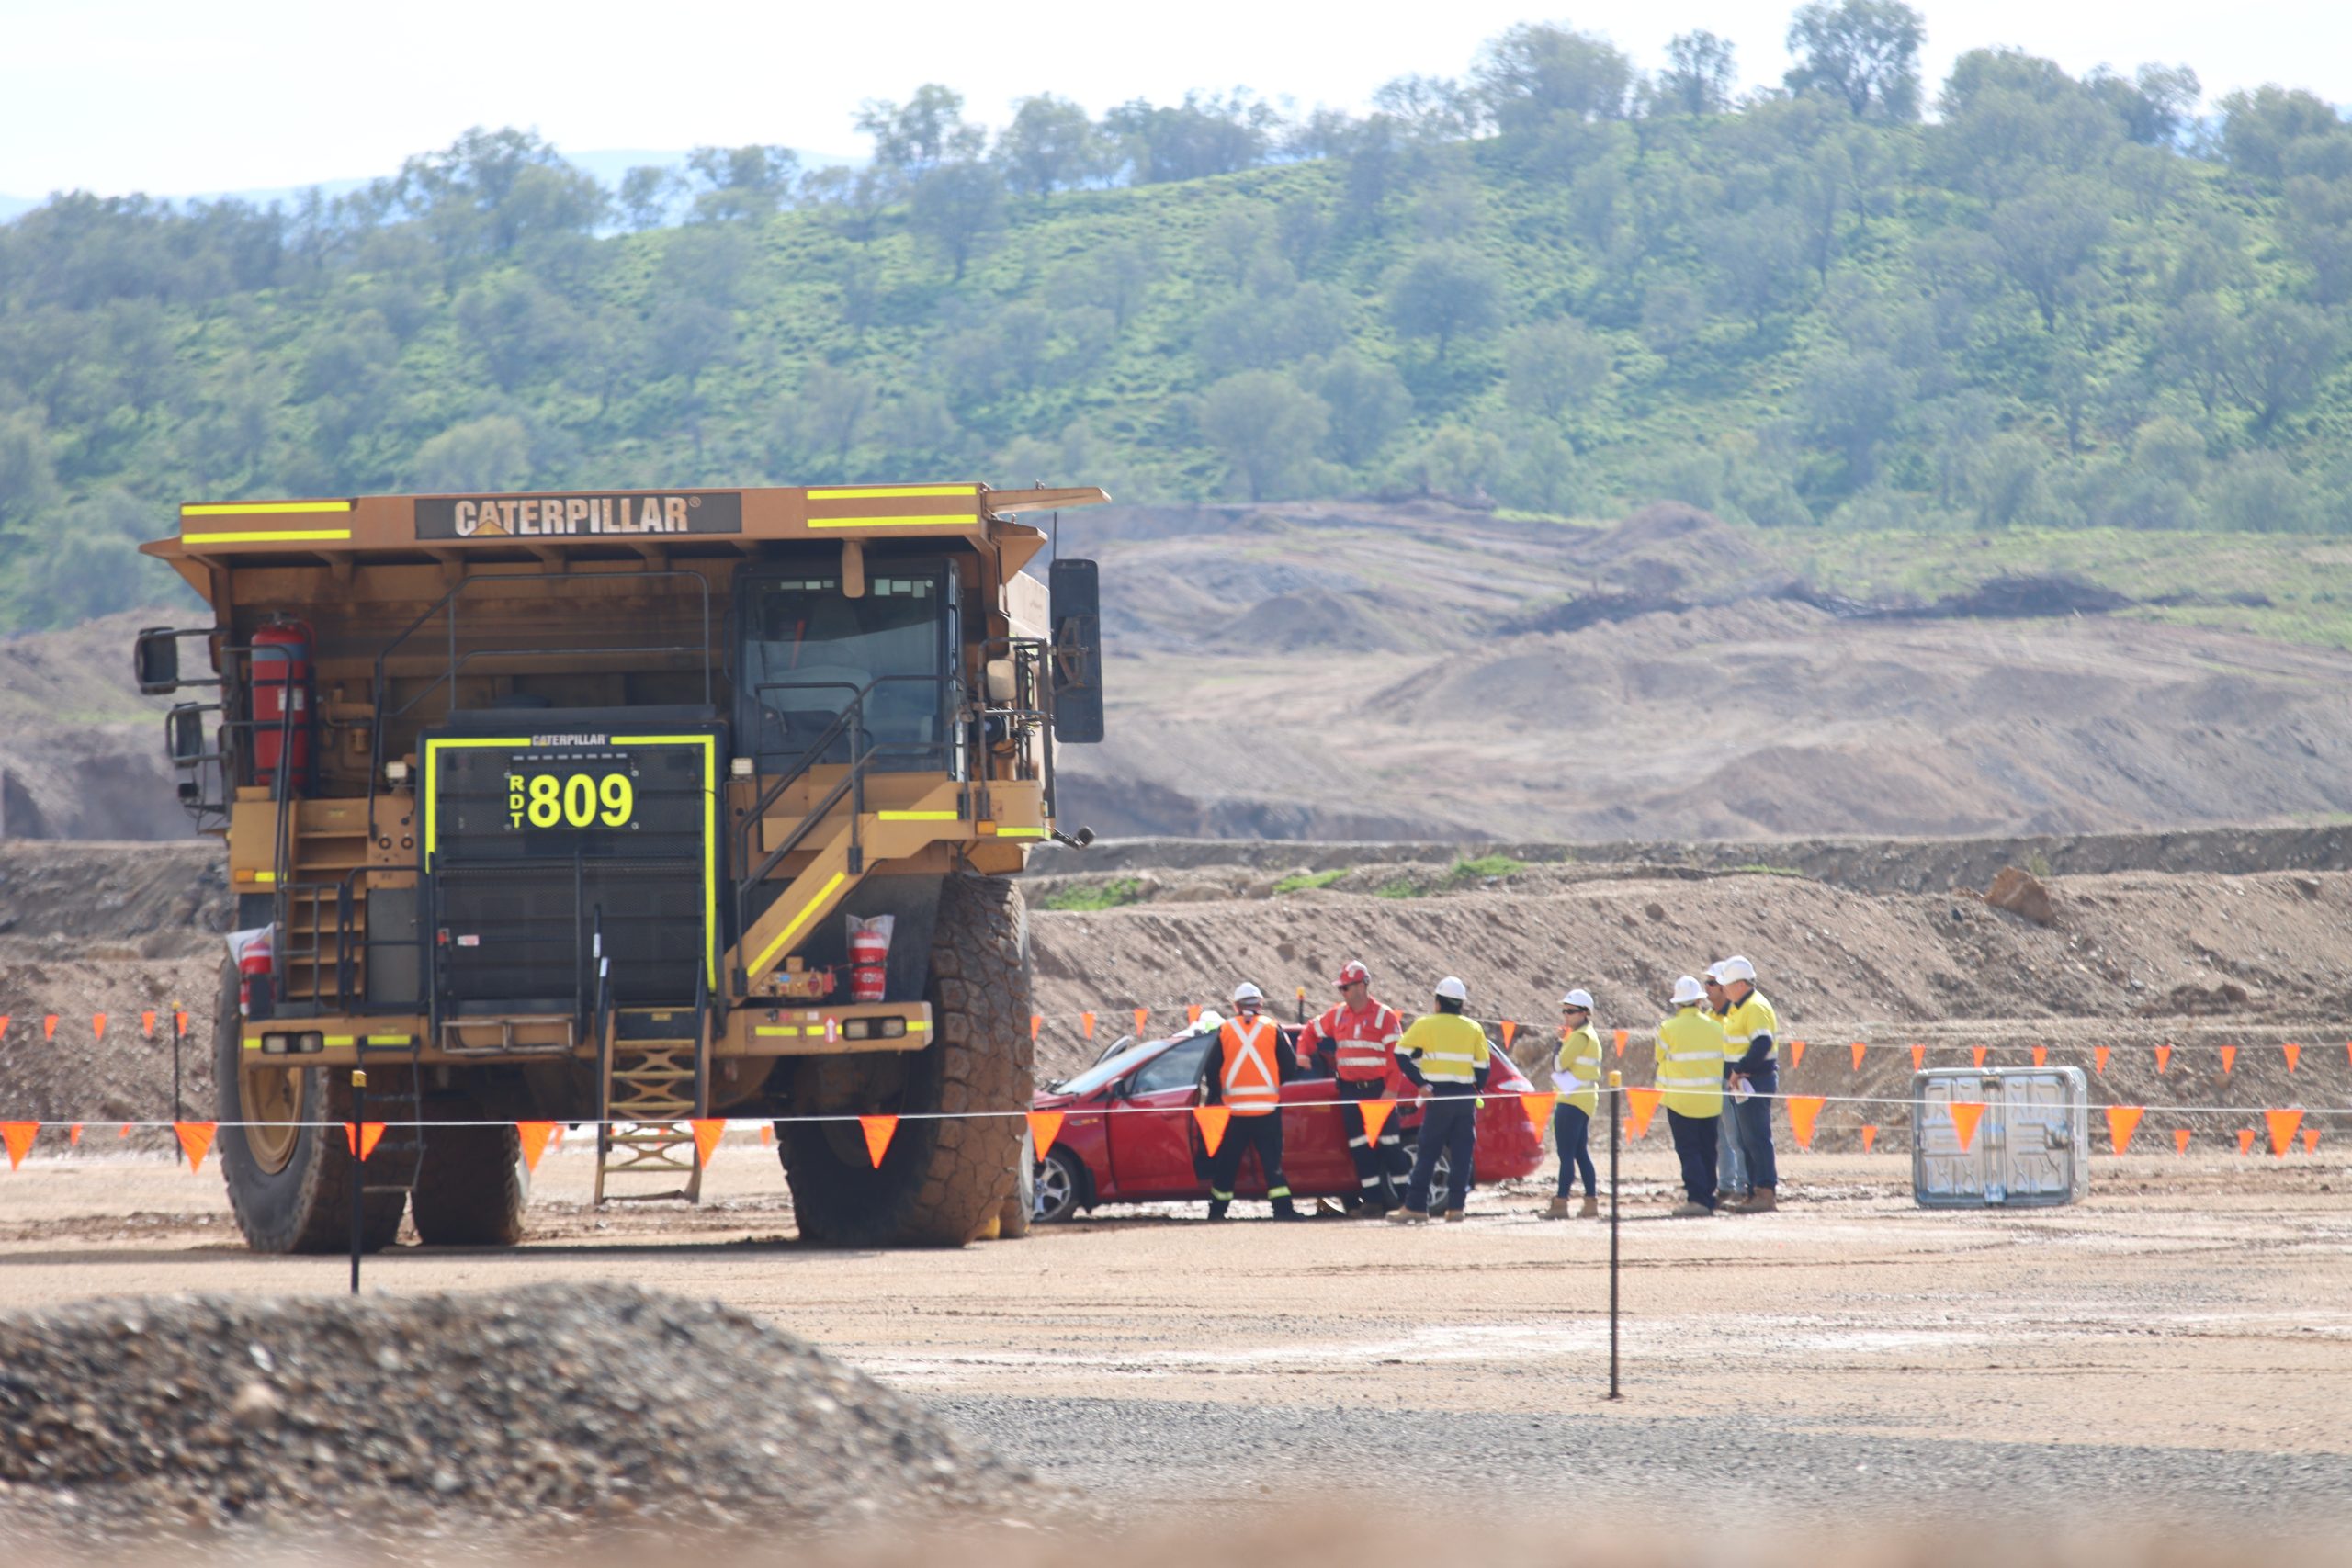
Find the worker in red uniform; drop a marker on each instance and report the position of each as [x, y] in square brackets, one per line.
[1244, 1075]
[1356, 1041]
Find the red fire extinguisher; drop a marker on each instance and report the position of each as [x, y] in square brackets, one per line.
[282, 702]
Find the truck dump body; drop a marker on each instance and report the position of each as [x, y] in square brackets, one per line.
[512, 782]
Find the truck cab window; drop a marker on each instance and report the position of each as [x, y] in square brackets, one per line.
[810, 652]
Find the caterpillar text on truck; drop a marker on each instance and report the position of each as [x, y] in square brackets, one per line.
[639, 807]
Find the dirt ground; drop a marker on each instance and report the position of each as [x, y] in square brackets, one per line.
[2204, 1305]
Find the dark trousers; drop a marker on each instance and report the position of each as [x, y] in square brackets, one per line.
[1371, 1157]
[1570, 1128]
[1450, 1127]
[1694, 1144]
[1753, 1123]
[1264, 1134]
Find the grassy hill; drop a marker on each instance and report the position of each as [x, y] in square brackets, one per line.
[2038, 318]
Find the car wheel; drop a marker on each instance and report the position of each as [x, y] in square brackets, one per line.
[1061, 1185]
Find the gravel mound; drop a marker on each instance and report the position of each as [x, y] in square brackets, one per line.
[452, 1415]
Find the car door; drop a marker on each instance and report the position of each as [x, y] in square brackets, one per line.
[1151, 1125]
[1315, 1146]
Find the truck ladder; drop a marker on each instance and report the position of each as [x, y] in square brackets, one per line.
[653, 1090]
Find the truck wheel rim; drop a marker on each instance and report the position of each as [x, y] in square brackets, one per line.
[272, 1099]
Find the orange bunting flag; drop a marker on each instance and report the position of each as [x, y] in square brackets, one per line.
[1976, 1054]
[2245, 1140]
[1510, 1028]
[2311, 1140]
[1192, 1012]
[2042, 1055]
[195, 1137]
[1643, 1104]
[1086, 1024]
[535, 1137]
[1859, 1048]
[1796, 1054]
[3, 1024]
[2098, 1057]
[147, 1023]
[2283, 1128]
[49, 1026]
[555, 1139]
[2180, 1140]
[878, 1129]
[2229, 1057]
[123, 1131]
[1141, 1013]
[2123, 1121]
[1803, 1110]
[1870, 1137]
[709, 1130]
[362, 1138]
[1918, 1058]
[1538, 1110]
[1036, 1022]
[1375, 1117]
[2163, 1058]
[99, 1025]
[19, 1136]
[1965, 1114]
[1621, 1043]
[1212, 1119]
[179, 1025]
[2295, 1055]
[768, 1134]
[1044, 1126]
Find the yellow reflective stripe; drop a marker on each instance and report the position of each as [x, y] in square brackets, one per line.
[807, 911]
[261, 508]
[898, 492]
[1020, 832]
[778, 1029]
[389, 1039]
[915, 1023]
[916, 816]
[266, 537]
[950, 519]
[253, 1042]
[339, 1040]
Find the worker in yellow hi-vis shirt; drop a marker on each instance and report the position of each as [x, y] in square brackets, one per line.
[1575, 1072]
[1448, 1055]
[1691, 1083]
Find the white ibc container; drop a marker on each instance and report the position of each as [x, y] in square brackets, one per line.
[2033, 1142]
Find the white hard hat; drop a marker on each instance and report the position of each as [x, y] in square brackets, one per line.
[1246, 992]
[1453, 990]
[1688, 990]
[1579, 997]
[1737, 968]
[1212, 1020]
[1715, 971]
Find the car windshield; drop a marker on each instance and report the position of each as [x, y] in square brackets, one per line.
[1109, 1067]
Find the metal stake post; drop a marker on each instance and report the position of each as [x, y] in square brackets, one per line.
[1616, 1099]
[358, 1169]
[178, 1035]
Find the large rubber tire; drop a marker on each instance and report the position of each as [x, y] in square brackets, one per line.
[303, 1204]
[469, 1188]
[942, 1179]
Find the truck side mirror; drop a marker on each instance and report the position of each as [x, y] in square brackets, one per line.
[155, 661]
[184, 734]
[1077, 612]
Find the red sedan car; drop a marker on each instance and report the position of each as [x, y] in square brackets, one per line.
[1128, 1135]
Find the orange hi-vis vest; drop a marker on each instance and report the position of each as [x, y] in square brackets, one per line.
[1248, 1075]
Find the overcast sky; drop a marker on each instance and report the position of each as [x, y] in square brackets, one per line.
[171, 97]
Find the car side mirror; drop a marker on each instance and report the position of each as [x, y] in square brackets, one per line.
[1075, 588]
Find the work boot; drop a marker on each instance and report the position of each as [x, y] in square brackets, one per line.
[1762, 1200]
[1407, 1217]
[1558, 1211]
[1454, 1216]
[1285, 1210]
[1591, 1210]
[1218, 1207]
[1689, 1211]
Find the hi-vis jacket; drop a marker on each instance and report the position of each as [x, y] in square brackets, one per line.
[1577, 1062]
[1750, 1022]
[1249, 1074]
[1449, 1048]
[1362, 1044]
[1690, 1062]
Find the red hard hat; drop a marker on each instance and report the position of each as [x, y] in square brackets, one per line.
[1352, 974]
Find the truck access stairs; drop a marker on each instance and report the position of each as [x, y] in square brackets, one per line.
[654, 1077]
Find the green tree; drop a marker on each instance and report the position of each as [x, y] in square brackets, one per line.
[1113, 275]
[957, 207]
[1851, 402]
[1701, 73]
[517, 328]
[1554, 367]
[928, 130]
[1864, 52]
[1446, 292]
[1368, 405]
[1760, 263]
[2046, 238]
[487, 453]
[2260, 129]
[1204, 135]
[1266, 428]
[1536, 74]
[648, 194]
[737, 184]
[2275, 356]
[1051, 145]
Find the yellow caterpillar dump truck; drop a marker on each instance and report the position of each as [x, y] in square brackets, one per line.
[639, 806]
